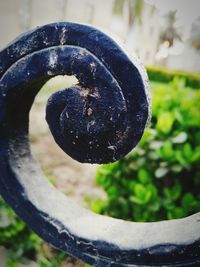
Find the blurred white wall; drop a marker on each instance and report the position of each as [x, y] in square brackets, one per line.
[144, 36]
[141, 38]
[188, 60]
[9, 21]
[17, 16]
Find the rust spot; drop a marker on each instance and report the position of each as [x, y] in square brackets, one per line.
[94, 93]
[93, 66]
[121, 136]
[84, 93]
[88, 91]
[89, 111]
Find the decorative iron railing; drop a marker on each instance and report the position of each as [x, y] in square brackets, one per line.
[98, 120]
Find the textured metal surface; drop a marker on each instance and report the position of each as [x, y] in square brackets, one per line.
[99, 120]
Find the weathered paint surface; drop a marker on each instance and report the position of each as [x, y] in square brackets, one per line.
[98, 120]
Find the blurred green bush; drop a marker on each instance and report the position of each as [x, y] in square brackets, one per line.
[23, 245]
[160, 179]
[16, 236]
[164, 75]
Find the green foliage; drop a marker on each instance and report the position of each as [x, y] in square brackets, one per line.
[23, 244]
[164, 75]
[16, 236]
[56, 259]
[160, 179]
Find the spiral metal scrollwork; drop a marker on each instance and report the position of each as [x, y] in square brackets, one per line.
[98, 120]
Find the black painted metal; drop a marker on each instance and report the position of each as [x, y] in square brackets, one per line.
[99, 120]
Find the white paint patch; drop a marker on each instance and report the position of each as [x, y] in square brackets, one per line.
[53, 59]
[86, 224]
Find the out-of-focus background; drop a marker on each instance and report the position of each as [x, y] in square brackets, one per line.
[160, 179]
[161, 32]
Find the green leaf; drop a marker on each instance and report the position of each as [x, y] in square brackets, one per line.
[137, 200]
[176, 191]
[144, 176]
[160, 172]
[140, 191]
[154, 191]
[187, 151]
[166, 192]
[165, 122]
[167, 150]
[180, 138]
[113, 191]
[173, 193]
[176, 213]
[188, 200]
[148, 196]
[179, 157]
[156, 144]
[196, 155]
[176, 168]
[155, 206]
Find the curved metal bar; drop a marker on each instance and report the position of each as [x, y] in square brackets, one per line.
[111, 106]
